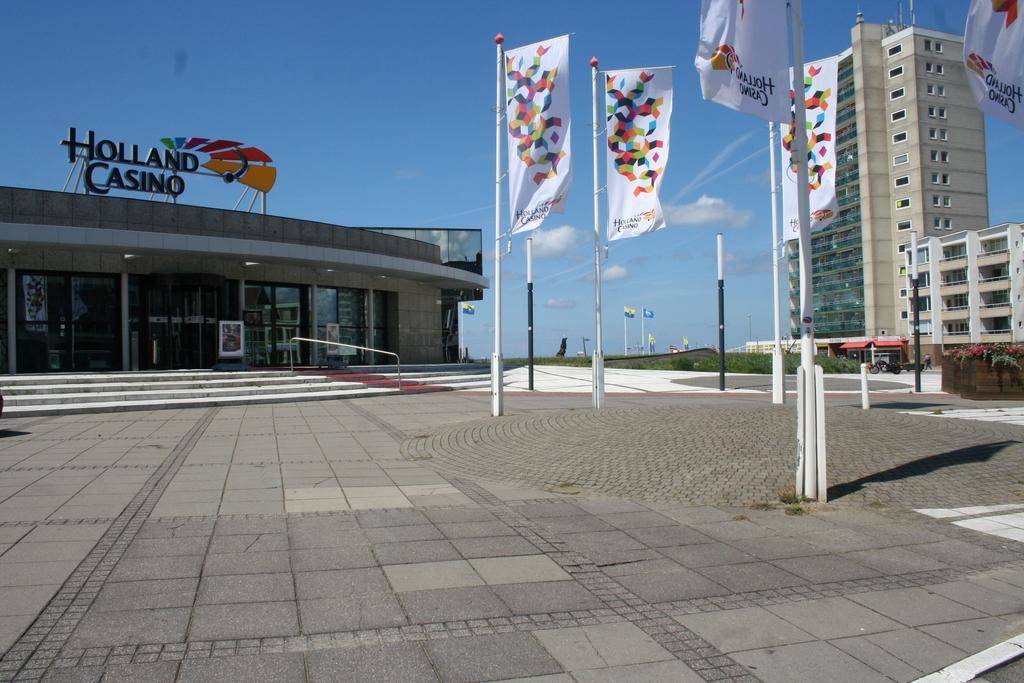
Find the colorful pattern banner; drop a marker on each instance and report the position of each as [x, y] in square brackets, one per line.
[743, 56]
[638, 111]
[993, 45]
[820, 93]
[537, 109]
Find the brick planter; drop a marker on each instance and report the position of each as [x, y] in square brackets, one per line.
[976, 379]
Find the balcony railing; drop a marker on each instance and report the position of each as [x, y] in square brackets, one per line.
[955, 308]
[953, 283]
[823, 247]
[997, 304]
[1007, 330]
[848, 177]
[953, 257]
[958, 333]
[851, 198]
[850, 113]
[845, 73]
[994, 252]
[994, 278]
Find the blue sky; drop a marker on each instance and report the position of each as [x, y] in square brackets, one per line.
[380, 114]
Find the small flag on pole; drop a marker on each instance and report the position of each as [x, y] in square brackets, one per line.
[469, 309]
[648, 313]
[630, 312]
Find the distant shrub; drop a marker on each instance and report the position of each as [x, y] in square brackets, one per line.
[761, 364]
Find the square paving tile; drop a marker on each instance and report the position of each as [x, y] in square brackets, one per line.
[974, 635]
[163, 547]
[665, 586]
[103, 629]
[430, 575]
[406, 662]
[344, 557]
[706, 555]
[554, 596]
[151, 594]
[139, 568]
[285, 666]
[386, 518]
[519, 569]
[672, 671]
[229, 622]
[485, 658]
[246, 563]
[918, 649]
[667, 536]
[501, 546]
[453, 604]
[316, 505]
[829, 618]
[397, 534]
[915, 606]
[990, 597]
[744, 629]
[775, 548]
[243, 543]
[806, 662]
[475, 529]
[637, 520]
[891, 561]
[826, 568]
[337, 583]
[407, 552]
[602, 645]
[752, 576]
[25, 599]
[350, 613]
[240, 588]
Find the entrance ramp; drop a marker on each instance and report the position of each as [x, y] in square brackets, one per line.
[68, 394]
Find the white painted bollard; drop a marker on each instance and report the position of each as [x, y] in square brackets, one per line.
[865, 402]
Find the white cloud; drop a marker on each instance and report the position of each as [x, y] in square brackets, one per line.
[560, 303]
[713, 211]
[556, 241]
[613, 273]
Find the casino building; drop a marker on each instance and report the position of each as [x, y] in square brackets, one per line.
[97, 282]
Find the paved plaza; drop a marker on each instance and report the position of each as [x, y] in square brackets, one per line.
[414, 538]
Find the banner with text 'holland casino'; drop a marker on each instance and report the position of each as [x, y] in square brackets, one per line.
[994, 57]
[638, 110]
[537, 93]
[820, 94]
[743, 56]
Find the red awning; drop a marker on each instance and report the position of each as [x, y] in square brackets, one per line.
[889, 343]
[855, 345]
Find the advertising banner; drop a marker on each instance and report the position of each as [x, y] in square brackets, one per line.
[230, 340]
[34, 292]
[993, 45]
[820, 93]
[537, 110]
[743, 56]
[638, 110]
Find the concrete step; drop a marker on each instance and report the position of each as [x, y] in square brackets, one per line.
[117, 386]
[145, 394]
[97, 378]
[206, 402]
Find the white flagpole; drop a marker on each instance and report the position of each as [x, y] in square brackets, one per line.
[459, 354]
[778, 360]
[625, 335]
[643, 336]
[597, 364]
[497, 362]
[807, 470]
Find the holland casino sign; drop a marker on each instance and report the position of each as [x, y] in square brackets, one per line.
[157, 171]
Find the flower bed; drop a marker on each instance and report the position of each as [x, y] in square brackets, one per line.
[984, 371]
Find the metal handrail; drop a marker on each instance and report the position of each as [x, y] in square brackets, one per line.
[398, 361]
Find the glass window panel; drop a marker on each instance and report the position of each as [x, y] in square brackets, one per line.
[326, 305]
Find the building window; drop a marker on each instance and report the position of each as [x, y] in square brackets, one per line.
[901, 159]
[947, 201]
[936, 200]
[904, 225]
[902, 181]
[940, 69]
[899, 137]
[898, 115]
[935, 178]
[944, 157]
[897, 93]
[896, 71]
[931, 112]
[945, 179]
[933, 134]
[895, 50]
[933, 46]
[928, 67]
[937, 47]
[936, 222]
[947, 223]
[943, 134]
[903, 203]
[940, 90]
[930, 89]
[942, 112]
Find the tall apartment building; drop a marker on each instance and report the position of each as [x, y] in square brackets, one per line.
[910, 151]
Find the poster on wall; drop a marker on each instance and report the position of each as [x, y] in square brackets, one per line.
[332, 333]
[230, 339]
[34, 287]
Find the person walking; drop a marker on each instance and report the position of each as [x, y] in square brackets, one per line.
[927, 361]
